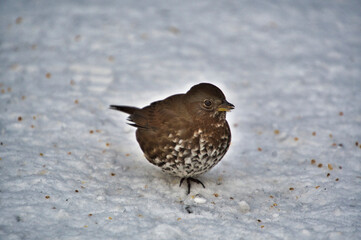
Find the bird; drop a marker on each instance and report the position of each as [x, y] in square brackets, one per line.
[185, 134]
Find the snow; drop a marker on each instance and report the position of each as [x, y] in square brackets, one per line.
[199, 199]
[70, 168]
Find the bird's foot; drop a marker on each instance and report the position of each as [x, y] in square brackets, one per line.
[189, 183]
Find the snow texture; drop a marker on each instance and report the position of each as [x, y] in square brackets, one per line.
[70, 168]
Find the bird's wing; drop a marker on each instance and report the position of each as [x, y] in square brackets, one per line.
[161, 114]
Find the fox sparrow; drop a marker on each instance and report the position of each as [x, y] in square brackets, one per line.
[185, 134]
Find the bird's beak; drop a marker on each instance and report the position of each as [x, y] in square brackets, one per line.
[225, 106]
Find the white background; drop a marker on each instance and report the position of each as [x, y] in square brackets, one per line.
[70, 168]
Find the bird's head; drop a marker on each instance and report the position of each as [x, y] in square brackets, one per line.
[206, 100]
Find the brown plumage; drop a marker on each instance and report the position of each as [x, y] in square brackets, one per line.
[185, 134]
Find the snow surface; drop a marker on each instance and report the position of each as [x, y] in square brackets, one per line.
[70, 168]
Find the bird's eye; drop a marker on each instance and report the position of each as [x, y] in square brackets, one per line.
[207, 103]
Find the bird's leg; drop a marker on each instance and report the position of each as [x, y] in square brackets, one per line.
[189, 183]
[189, 186]
[196, 181]
[181, 181]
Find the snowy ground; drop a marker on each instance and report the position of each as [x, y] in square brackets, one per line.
[70, 168]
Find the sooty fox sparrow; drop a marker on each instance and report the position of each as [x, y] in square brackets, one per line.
[185, 134]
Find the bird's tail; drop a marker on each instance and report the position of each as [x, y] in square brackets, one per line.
[126, 109]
